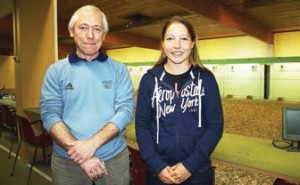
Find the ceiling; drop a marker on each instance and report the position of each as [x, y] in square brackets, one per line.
[139, 22]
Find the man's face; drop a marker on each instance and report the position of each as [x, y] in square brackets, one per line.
[88, 35]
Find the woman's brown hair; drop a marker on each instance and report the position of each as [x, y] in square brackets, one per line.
[194, 56]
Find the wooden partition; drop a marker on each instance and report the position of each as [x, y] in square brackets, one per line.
[35, 45]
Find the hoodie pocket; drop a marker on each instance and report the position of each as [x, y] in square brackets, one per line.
[186, 146]
[167, 148]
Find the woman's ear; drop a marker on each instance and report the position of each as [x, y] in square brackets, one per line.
[162, 45]
[193, 44]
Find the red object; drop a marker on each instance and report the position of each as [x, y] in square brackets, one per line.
[279, 181]
[138, 167]
[8, 120]
[42, 140]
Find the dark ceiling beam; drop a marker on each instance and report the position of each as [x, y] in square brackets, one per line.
[255, 4]
[286, 29]
[221, 35]
[133, 40]
[215, 11]
[142, 21]
[121, 39]
[117, 38]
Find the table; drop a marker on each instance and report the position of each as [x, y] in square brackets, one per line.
[33, 110]
[33, 113]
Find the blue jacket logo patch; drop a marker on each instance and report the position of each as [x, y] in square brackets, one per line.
[107, 84]
[69, 86]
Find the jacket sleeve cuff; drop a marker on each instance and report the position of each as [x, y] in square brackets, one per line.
[157, 166]
[50, 122]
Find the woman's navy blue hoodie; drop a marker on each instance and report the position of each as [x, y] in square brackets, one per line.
[184, 126]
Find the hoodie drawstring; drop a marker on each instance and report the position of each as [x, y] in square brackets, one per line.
[157, 113]
[157, 103]
[200, 101]
[199, 97]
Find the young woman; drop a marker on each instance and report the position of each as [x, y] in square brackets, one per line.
[179, 117]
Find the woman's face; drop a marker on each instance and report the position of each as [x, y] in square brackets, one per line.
[177, 43]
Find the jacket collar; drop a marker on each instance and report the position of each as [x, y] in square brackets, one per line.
[158, 71]
[74, 58]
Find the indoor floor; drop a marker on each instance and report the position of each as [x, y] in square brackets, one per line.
[226, 174]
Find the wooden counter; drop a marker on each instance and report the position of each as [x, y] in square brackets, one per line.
[33, 113]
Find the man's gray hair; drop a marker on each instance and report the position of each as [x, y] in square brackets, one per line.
[88, 8]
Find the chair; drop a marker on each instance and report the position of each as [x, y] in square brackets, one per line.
[27, 134]
[8, 120]
[138, 167]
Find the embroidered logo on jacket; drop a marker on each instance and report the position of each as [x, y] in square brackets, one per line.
[69, 86]
[107, 84]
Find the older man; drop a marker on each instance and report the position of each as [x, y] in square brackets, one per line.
[86, 103]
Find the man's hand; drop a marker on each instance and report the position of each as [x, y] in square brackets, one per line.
[166, 177]
[180, 173]
[94, 168]
[80, 151]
